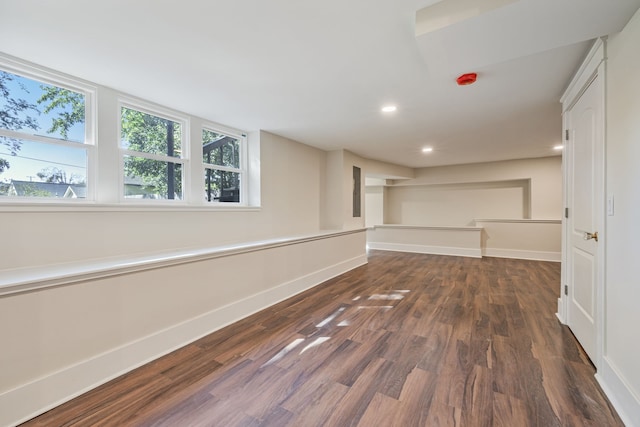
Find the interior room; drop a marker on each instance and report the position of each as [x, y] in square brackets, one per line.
[174, 173]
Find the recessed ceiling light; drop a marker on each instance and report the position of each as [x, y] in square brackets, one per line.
[389, 108]
[427, 150]
[558, 147]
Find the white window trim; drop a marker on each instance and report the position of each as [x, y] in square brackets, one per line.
[185, 149]
[41, 138]
[152, 156]
[103, 109]
[41, 74]
[242, 170]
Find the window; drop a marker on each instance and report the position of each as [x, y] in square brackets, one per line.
[222, 158]
[44, 149]
[152, 149]
[53, 152]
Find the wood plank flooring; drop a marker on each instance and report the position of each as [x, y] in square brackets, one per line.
[407, 340]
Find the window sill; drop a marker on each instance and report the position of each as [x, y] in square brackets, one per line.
[47, 206]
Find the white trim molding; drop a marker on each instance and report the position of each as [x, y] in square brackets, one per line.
[426, 249]
[427, 227]
[536, 239]
[24, 280]
[437, 240]
[105, 186]
[521, 221]
[619, 392]
[68, 380]
[592, 72]
[520, 254]
[584, 75]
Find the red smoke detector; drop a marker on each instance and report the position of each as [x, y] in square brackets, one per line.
[466, 79]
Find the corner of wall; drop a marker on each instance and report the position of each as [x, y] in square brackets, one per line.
[619, 392]
[253, 165]
[331, 218]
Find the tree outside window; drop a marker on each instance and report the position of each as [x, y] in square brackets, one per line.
[153, 151]
[222, 159]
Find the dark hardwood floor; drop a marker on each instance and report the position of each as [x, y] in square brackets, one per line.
[407, 340]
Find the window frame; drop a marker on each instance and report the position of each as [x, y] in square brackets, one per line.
[242, 170]
[184, 159]
[105, 156]
[89, 91]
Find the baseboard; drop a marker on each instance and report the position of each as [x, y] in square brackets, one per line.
[620, 394]
[32, 399]
[467, 252]
[560, 312]
[519, 254]
[425, 249]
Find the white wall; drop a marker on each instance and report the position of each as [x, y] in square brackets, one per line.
[333, 202]
[454, 204]
[376, 168]
[374, 205]
[375, 193]
[621, 370]
[338, 198]
[526, 195]
[292, 184]
[59, 341]
[501, 182]
[292, 176]
[456, 195]
[351, 160]
[522, 239]
[455, 241]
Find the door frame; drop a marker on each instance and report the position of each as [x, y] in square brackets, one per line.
[592, 71]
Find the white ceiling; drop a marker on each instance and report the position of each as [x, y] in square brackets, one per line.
[319, 72]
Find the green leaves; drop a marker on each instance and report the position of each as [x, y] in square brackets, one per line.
[63, 100]
[146, 133]
[14, 115]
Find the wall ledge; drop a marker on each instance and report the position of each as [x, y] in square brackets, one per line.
[521, 221]
[28, 206]
[429, 227]
[520, 254]
[426, 249]
[29, 279]
[517, 182]
[42, 394]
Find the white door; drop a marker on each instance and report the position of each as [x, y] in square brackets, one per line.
[585, 148]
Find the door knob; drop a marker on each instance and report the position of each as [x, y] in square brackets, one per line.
[589, 236]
